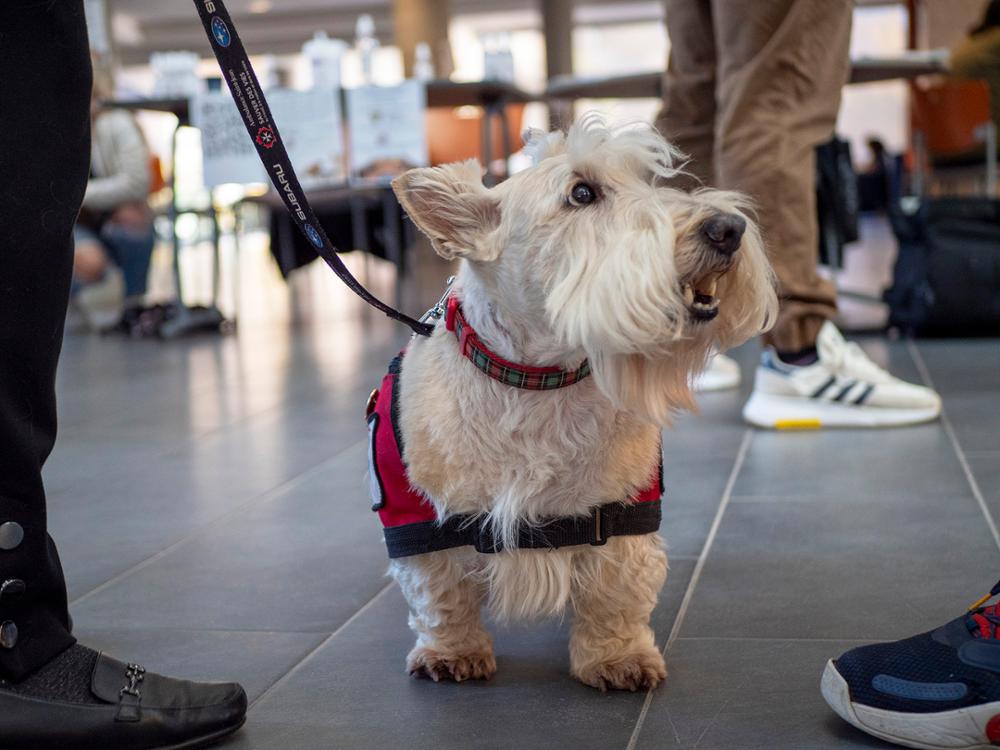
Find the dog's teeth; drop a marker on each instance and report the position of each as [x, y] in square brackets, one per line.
[688, 294]
[706, 287]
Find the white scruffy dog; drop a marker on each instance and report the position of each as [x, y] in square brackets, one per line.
[587, 255]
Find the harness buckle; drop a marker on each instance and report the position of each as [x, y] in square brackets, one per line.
[599, 538]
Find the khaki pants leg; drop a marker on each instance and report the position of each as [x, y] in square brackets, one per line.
[779, 69]
[687, 118]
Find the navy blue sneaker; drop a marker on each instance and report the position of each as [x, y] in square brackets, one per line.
[936, 690]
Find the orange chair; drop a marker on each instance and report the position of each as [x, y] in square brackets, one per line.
[455, 133]
[952, 132]
[950, 114]
[157, 181]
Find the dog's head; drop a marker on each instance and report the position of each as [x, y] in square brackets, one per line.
[642, 279]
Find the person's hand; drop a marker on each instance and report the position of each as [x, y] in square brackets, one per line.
[133, 216]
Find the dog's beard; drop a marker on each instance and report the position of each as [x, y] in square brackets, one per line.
[651, 388]
[620, 295]
[749, 305]
[624, 306]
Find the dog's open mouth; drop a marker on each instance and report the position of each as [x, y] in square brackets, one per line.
[699, 295]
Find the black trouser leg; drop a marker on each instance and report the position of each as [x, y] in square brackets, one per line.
[44, 156]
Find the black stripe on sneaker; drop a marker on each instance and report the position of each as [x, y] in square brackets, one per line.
[864, 395]
[824, 388]
[843, 393]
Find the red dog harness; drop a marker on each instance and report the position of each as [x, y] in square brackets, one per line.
[410, 521]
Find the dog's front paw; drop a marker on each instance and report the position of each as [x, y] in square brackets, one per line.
[638, 671]
[437, 665]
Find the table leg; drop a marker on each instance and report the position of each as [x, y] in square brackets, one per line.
[487, 145]
[505, 139]
[173, 214]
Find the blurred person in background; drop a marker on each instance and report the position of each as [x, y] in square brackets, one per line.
[57, 694]
[751, 88]
[115, 226]
[874, 178]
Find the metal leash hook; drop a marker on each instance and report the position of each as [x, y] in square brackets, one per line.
[437, 312]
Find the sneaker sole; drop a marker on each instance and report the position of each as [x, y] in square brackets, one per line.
[775, 412]
[961, 729]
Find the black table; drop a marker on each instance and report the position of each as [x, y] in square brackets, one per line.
[356, 217]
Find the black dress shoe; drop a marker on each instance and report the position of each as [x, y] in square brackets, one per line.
[115, 706]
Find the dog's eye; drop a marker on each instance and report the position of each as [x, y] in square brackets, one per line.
[582, 194]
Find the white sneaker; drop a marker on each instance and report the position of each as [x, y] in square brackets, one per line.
[720, 374]
[100, 303]
[843, 388]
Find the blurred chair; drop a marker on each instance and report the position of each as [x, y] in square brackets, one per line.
[456, 133]
[954, 137]
[157, 180]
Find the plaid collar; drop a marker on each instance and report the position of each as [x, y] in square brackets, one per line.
[519, 376]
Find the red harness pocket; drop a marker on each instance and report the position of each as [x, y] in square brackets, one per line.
[395, 500]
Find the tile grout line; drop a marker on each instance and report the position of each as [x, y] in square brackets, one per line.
[260, 499]
[778, 639]
[193, 438]
[319, 646]
[949, 429]
[713, 530]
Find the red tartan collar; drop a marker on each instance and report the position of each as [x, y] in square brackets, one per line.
[498, 368]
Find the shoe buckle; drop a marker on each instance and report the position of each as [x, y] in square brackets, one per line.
[130, 696]
[133, 676]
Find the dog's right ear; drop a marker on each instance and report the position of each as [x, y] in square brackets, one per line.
[452, 207]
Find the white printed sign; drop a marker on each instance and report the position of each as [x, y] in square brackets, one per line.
[387, 124]
[226, 152]
[309, 122]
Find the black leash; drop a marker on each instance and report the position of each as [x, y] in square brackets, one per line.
[250, 101]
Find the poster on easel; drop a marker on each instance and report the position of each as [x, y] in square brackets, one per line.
[311, 127]
[388, 133]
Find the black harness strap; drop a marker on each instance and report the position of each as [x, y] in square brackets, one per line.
[613, 519]
[249, 98]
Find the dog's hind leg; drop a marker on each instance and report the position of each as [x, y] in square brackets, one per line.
[445, 600]
[615, 588]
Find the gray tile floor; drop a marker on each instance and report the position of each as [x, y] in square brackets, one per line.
[208, 498]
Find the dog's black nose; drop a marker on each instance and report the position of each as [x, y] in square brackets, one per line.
[724, 232]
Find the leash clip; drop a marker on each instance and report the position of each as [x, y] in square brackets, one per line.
[436, 312]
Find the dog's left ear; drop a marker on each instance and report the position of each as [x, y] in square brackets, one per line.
[452, 207]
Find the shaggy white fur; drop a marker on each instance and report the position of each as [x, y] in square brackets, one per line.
[546, 280]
